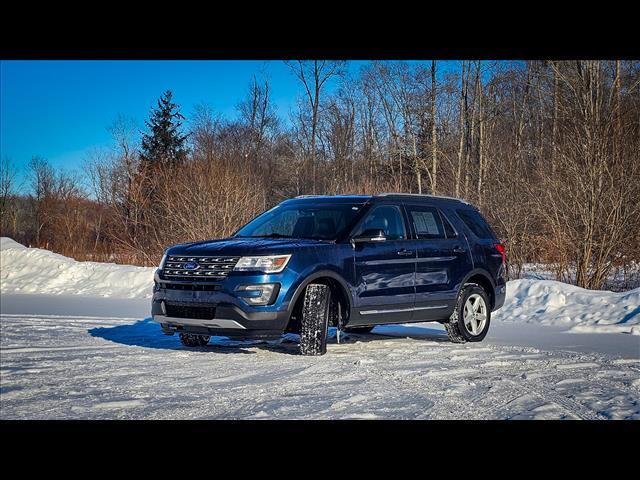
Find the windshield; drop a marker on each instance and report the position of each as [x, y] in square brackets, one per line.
[318, 222]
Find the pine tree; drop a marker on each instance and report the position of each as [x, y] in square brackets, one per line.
[165, 144]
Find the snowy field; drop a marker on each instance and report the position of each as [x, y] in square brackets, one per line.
[553, 352]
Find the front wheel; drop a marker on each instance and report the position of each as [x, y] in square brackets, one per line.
[315, 320]
[471, 317]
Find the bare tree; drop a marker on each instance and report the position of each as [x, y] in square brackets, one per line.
[7, 183]
[313, 74]
[464, 82]
[42, 177]
[434, 141]
[590, 198]
[258, 114]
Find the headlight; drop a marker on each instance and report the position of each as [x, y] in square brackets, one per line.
[266, 264]
[164, 257]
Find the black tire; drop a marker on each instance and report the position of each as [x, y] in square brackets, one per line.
[358, 329]
[194, 340]
[316, 310]
[455, 327]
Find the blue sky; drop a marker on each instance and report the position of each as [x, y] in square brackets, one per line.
[60, 110]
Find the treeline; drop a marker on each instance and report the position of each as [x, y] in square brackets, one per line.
[547, 150]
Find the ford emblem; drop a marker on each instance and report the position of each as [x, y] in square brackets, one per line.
[190, 265]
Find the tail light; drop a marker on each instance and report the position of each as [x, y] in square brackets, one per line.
[500, 248]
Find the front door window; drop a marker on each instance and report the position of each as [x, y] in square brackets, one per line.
[387, 218]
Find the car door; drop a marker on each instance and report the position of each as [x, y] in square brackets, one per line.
[384, 270]
[442, 260]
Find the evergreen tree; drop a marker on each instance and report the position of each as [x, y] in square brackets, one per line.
[165, 143]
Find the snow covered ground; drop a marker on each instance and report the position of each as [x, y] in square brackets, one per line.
[66, 352]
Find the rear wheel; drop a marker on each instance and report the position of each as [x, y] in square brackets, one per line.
[194, 340]
[314, 326]
[471, 317]
[358, 329]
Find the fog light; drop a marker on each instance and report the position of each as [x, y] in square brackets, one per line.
[259, 294]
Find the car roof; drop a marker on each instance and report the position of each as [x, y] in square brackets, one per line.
[378, 197]
[421, 197]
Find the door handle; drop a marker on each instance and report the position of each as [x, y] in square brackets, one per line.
[405, 253]
[458, 250]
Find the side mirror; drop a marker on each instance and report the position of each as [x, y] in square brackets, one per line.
[370, 235]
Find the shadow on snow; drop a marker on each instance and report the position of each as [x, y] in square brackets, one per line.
[146, 333]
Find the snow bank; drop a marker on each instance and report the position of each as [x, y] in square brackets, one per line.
[556, 303]
[7, 243]
[33, 270]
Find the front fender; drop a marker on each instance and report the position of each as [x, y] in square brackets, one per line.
[296, 289]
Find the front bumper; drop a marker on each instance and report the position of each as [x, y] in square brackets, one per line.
[231, 316]
[228, 321]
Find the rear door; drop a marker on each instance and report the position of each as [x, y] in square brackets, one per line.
[443, 259]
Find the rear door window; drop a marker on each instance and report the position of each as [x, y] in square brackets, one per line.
[476, 223]
[427, 222]
[448, 229]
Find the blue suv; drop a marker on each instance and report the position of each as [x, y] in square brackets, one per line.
[352, 262]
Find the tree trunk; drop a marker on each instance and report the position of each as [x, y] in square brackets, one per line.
[314, 125]
[480, 140]
[434, 142]
[462, 118]
[417, 164]
[618, 134]
[472, 136]
[554, 127]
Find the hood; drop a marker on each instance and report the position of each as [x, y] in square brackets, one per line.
[245, 246]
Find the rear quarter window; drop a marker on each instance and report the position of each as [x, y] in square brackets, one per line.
[476, 223]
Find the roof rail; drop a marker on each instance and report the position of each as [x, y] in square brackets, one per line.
[328, 195]
[387, 194]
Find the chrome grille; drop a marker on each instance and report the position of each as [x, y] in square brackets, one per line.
[207, 267]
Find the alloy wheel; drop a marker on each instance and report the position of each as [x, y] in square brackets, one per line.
[475, 314]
